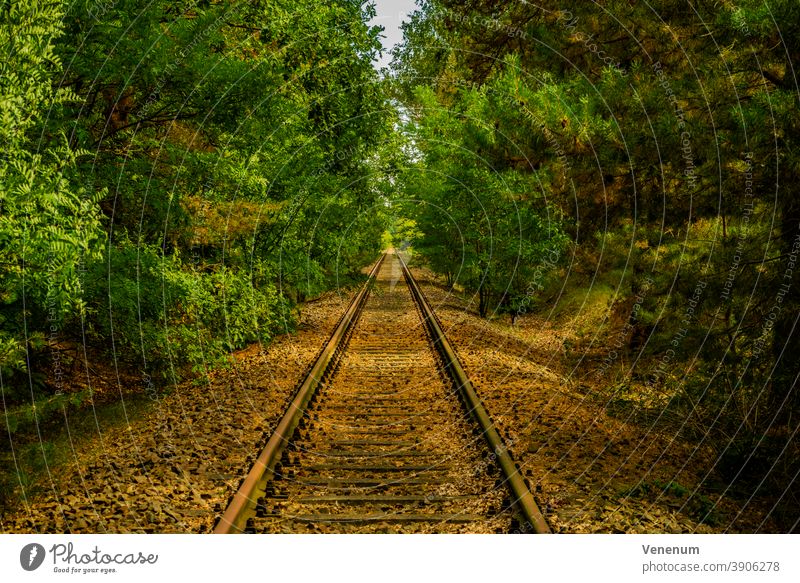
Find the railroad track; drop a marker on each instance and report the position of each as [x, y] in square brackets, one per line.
[385, 434]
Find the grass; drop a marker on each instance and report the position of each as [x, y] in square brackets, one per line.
[698, 506]
[584, 308]
[27, 462]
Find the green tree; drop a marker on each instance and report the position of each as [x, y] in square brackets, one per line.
[49, 223]
[484, 224]
[665, 135]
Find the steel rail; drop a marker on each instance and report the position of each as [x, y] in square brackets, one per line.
[234, 518]
[523, 499]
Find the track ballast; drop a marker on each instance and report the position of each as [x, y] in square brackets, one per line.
[381, 439]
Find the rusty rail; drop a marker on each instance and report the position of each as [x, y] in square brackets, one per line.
[532, 518]
[234, 518]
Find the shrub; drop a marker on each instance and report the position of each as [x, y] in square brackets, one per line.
[169, 317]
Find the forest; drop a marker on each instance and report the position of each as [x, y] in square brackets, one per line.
[641, 157]
[178, 178]
[170, 194]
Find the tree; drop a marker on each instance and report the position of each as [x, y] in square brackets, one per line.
[485, 225]
[665, 136]
[49, 223]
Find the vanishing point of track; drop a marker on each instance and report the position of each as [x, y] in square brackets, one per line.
[385, 434]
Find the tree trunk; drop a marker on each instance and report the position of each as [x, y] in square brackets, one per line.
[483, 303]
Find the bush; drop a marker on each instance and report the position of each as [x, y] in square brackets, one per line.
[168, 317]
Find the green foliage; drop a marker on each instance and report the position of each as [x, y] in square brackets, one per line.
[173, 177]
[164, 317]
[12, 354]
[485, 226]
[665, 142]
[48, 224]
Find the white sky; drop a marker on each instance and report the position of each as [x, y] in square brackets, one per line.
[390, 13]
